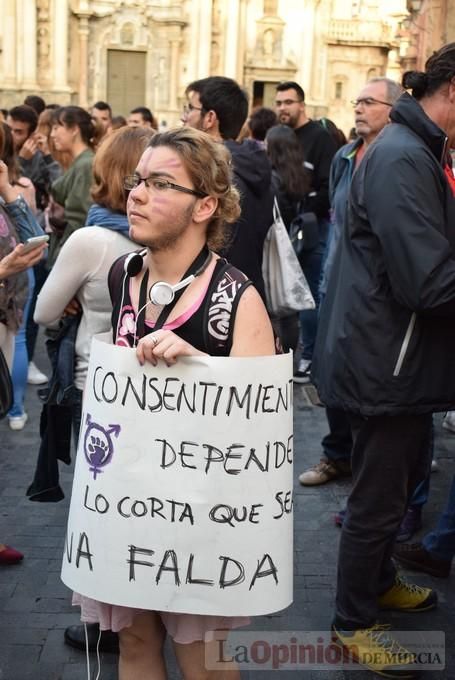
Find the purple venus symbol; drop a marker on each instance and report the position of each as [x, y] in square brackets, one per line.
[98, 445]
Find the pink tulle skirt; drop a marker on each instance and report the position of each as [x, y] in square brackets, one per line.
[183, 628]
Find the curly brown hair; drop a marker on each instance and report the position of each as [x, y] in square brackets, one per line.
[208, 164]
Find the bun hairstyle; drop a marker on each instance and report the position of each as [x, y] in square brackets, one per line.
[417, 81]
[75, 116]
[439, 69]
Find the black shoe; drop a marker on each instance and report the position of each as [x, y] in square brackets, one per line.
[75, 637]
[303, 373]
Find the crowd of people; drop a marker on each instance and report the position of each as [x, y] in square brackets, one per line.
[198, 200]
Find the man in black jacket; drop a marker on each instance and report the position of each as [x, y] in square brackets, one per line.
[385, 343]
[318, 149]
[219, 106]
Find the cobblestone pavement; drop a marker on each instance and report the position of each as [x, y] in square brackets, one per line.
[35, 606]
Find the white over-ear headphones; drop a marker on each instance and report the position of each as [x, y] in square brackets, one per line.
[160, 293]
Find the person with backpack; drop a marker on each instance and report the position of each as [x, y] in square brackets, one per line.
[181, 197]
[291, 182]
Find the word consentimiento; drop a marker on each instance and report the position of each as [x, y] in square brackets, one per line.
[199, 397]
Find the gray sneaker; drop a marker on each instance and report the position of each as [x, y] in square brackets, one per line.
[303, 374]
[449, 422]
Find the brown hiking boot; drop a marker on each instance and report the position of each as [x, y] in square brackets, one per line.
[414, 556]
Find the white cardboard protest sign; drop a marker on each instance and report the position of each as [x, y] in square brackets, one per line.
[182, 493]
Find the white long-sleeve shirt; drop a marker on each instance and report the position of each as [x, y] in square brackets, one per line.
[81, 271]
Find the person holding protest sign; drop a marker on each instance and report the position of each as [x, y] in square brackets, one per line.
[168, 301]
[77, 283]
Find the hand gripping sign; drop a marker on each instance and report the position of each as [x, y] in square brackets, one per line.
[182, 493]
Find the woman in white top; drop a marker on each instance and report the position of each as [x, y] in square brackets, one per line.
[78, 280]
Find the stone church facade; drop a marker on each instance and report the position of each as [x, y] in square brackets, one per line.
[144, 52]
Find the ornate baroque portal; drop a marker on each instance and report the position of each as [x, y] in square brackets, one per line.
[145, 52]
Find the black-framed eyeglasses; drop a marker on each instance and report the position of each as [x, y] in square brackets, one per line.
[368, 101]
[187, 108]
[287, 102]
[130, 182]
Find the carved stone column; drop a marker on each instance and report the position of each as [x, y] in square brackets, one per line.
[173, 74]
[60, 17]
[307, 65]
[83, 32]
[26, 36]
[232, 30]
[9, 44]
[204, 37]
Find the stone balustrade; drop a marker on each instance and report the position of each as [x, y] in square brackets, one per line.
[354, 31]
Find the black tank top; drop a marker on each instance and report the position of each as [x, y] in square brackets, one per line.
[208, 324]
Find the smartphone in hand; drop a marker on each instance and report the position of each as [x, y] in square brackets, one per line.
[34, 242]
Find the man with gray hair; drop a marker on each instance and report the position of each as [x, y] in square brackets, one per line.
[372, 108]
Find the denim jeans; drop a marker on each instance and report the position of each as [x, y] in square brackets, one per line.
[311, 263]
[20, 363]
[389, 453]
[441, 542]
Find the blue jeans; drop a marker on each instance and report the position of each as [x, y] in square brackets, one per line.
[441, 542]
[337, 444]
[311, 263]
[422, 490]
[20, 364]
